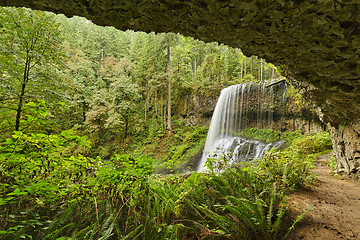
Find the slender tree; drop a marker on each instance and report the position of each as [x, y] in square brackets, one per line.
[169, 90]
[245, 66]
[194, 65]
[241, 71]
[31, 54]
[261, 69]
[251, 66]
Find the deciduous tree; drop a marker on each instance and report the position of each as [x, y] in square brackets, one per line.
[30, 52]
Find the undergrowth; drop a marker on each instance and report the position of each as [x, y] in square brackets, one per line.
[266, 135]
[174, 153]
[49, 194]
[309, 143]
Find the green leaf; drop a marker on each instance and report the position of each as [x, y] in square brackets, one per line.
[17, 192]
[31, 104]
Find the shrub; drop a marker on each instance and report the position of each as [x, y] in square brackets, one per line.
[288, 168]
[241, 202]
[79, 198]
[266, 135]
[332, 163]
[313, 143]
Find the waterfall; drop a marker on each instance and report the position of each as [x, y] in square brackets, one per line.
[238, 107]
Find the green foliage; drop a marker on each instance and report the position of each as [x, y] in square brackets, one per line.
[302, 144]
[30, 62]
[267, 135]
[289, 137]
[239, 203]
[121, 199]
[104, 60]
[332, 163]
[35, 175]
[183, 146]
[116, 82]
[293, 168]
[313, 143]
[51, 189]
[244, 201]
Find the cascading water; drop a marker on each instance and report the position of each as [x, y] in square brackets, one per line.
[239, 107]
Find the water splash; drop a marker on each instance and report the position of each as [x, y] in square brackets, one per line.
[238, 107]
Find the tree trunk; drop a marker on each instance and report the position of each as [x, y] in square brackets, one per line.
[251, 66]
[220, 66]
[161, 113]
[259, 72]
[245, 66]
[241, 71]
[156, 108]
[261, 69]
[19, 109]
[22, 94]
[164, 114]
[273, 73]
[169, 92]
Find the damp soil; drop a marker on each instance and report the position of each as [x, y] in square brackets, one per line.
[335, 212]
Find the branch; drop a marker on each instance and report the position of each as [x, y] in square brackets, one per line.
[276, 81]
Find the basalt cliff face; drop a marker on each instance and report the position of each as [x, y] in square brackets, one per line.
[315, 42]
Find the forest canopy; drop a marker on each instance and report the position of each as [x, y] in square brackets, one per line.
[104, 81]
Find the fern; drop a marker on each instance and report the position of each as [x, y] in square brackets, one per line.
[106, 230]
[298, 219]
[56, 233]
[135, 233]
[54, 228]
[77, 234]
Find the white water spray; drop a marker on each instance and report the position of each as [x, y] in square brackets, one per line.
[228, 118]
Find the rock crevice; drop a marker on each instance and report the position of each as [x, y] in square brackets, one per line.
[346, 145]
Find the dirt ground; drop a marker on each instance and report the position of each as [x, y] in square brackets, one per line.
[336, 207]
